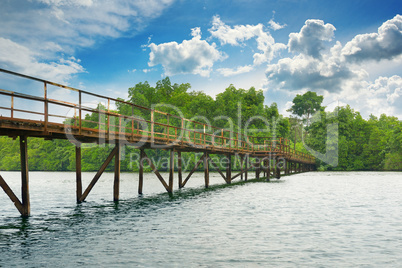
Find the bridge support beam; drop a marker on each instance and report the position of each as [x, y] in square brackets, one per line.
[179, 169]
[206, 169]
[26, 206]
[192, 171]
[116, 183]
[23, 206]
[229, 169]
[277, 169]
[99, 174]
[171, 171]
[241, 166]
[141, 172]
[78, 173]
[246, 166]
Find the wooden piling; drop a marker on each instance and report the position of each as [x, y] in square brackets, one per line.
[257, 168]
[229, 169]
[171, 171]
[241, 166]
[78, 173]
[206, 169]
[246, 167]
[116, 183]
[179, 169]
[141, 171]
[24, 177]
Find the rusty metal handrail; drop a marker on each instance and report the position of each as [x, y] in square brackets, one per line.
[230, 140]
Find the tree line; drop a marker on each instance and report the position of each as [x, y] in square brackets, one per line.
[373, 144]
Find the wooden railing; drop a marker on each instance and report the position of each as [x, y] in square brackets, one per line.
[135, 122]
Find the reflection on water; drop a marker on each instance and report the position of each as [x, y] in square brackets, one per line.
[311, 219]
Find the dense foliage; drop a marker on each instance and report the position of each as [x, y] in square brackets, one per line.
[243, 107]
[373, 144]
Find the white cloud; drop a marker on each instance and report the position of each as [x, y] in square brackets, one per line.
[386, 44]
[389, 87]
[303, 72]
[68, 2]
[24, 60]
[309, 40]
[232, 36]
[194, 56]
[338, 72]
[238, 34]
[276, 26]
[47, 30]
[238, 70]
[148, 70]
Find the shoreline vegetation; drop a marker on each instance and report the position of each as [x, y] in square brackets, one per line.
[373, 144]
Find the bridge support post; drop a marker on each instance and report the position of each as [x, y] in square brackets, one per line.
[268, 168]
[116, 183]
[229, 170]
[179, 169]
[286, 167]
[241, 166]
[257, 168]
[266, 163]
[206, 170]
[277, 169]
[171, 171]
[78, 173]
[141, 171]
[247, 158]
[26, 206]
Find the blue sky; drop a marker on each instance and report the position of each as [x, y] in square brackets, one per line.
[348, 51]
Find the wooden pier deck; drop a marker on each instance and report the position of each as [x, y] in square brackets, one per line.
[41, 115]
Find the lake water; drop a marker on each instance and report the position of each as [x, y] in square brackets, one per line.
[315, 219]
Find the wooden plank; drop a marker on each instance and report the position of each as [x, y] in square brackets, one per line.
[116, 183]
[99, 173]
[11, 195]
[24, 177]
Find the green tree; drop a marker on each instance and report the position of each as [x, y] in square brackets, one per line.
[306, 105]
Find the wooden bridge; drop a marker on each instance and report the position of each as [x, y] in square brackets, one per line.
[54, 111]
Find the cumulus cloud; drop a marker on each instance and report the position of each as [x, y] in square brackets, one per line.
[337, 72]
[238, 34]
[24, 60]
[236, 71]
[232, 36]
[389, 87]
[304, 72]
[275, 26]
[310, 39]
[50, 29]
[385, 44]
[194, 56]
[319, 69]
